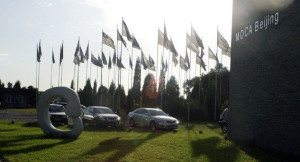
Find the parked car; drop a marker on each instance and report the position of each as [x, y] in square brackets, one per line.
[57, 114]
[64, 103]
[223, 121]
[100, 116]
[153, 118]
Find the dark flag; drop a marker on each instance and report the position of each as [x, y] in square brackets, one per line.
[135, 44]
[119, 63]
[187, 61]
[40, 51]
[166, 66]
[130, 62]
[172, 48]
[38, 58]
[200, 62]
[53, 60]
[174, 59]
[114, 60]
[104, 59]
[160, 40]
[87, 52]
[61, 53]
[196, 39]
[202, 53]
[95, 61]
[162, 62]
[151, 64]
[145, 62]
[100, 62]
[182, 64]
[221, 41]
[166, 40]
[191, 45]
[77, 48]
[109, 63]
[125, 31]
[120, 38]
[107, 40]
[76, 60]
[82, 57]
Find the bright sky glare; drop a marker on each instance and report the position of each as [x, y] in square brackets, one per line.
[24, 23]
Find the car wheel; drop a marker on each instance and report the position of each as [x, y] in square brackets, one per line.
[152, 125]
[131, 122]
[66, 122]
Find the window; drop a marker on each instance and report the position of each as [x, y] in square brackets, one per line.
[8, 98]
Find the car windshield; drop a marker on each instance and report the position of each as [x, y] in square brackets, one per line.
[157, 113]
[103, 111]
[56, 109]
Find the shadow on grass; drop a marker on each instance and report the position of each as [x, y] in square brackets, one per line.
[8, 130]
[121, 147]
[31, 124]
[22, 138]
[209, 147]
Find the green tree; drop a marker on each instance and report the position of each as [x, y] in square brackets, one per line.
[85, 95]
[102, 92]
[137, 82]
[9, 85]
[112, 91]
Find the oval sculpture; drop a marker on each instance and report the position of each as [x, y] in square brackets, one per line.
[73, 110]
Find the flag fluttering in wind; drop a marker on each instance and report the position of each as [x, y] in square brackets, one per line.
[61, 53]
[95, 61]
[114, 60]
[107, 40]
[187, 61]
[202, 53]
[166, 65]
[135, 44]
[39, 52]
[104, 59]
[191, 45]
[145, 62]
[162, 63]
[109, 63]
[211, 55]
[196, 39]
[119, 63]
[38, 57]
[76, 60]
[222, 43]
[166, 40]
[87, 52]
[120, 38]
[183, 64]
[200, 62]
[82, 57]
[151, 64]
[130, 63]
[160, 40]
[172, 48]
[174, 59]
[53, 59]
[100, 61]
[125, 31]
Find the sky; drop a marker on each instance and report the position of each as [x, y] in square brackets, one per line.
[25, 23]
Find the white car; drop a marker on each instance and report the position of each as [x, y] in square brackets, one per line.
[153, 118]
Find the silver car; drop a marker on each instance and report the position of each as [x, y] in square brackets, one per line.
[153, 118]
[100, 116]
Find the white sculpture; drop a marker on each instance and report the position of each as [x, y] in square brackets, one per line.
[73, 110]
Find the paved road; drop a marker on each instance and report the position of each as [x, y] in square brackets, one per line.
[17, 116]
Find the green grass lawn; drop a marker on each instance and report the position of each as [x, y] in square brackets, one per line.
[31, 111]
[26, 142]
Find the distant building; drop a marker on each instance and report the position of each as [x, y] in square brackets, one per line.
[17, 98]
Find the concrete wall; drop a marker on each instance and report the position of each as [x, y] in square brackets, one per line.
[265, 76]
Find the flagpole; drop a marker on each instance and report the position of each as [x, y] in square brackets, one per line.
[216, 82]
[120, 76]
[91, 70]
[86, 74]
[101, 70]
[51, 74]
[36, 76]
[78, 77]
[62, 64]
[58, 74]
[118, 71]
[157, 61]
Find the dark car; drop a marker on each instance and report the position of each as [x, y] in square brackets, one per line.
[153, 118]
[100, 116]
[57, 114]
